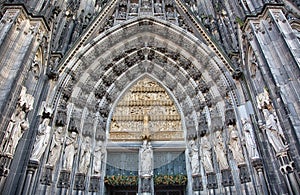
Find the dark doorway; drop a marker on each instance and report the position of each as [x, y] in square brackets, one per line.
[122, 190]
[169, 190]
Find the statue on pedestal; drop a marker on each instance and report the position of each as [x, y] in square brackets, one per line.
[249, 139]
[85, 156]
[146, 158]
[194, 157]
[234, 146]
[42, 140]
[55, 147]
[274, 132]
[206, 155]
[70, 151]
[98, 155]
[220, 151]
[18, 124]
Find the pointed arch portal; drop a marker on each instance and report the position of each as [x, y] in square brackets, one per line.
[146, 108]
[147, 76]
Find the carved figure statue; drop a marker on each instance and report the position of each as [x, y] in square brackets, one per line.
[206, 155]
[85, 156]
[134, 8]
[42, 140]
[220, 152]
[146, 158]
[55, 147]
[26, 100]
[249, 139]
[234, 145]
[157, 7]
[274, 132]
[194, 156]
[263, 100]
[70, 150]
[98, 154]
[18, 125]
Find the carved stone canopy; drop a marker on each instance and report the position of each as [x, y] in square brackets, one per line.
[146, 110]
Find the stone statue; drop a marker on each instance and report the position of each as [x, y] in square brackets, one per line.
[274, 132]
[18, 125]
[220, 152]
[146, 159]
[70, 150]
[234, 146]
[194, 157]
[133, 8]
[157, 6]
[42, 140]
[85, 156]
[206, 155]
[26, 100]
[55, 147]
[98, 154]
[249, 139]
[263, 100]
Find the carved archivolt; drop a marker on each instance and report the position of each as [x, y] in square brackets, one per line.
[146, 108]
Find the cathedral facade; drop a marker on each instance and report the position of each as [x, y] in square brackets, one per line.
[125, 97]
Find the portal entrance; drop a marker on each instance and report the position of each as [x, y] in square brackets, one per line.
[146, 147]
[167, 190]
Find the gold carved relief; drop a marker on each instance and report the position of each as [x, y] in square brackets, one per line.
[146, 109]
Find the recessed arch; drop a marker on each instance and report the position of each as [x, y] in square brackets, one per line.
[146, 107]
[105, 66]
[90, 79]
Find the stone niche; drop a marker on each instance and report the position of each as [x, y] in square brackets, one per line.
[146, 108]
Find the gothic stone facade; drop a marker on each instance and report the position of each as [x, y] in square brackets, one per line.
[150, 96]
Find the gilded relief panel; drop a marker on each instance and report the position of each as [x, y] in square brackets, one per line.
[146, 109]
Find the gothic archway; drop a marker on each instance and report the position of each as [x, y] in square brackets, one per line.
[93, 81]
[146, 110]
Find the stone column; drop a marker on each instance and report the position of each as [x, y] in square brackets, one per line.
[257, 164]
[32, 166]
[5, 161]
[287, 169]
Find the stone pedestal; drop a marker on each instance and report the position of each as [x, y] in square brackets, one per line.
[4, 164]
[46, 178]
[64, 179]
[244, 173]
[227, 179]
[5, 161]
[197, 183]
[146, 184]
[79, 181]
[94, 183]
[212, 182]
[257, 164]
